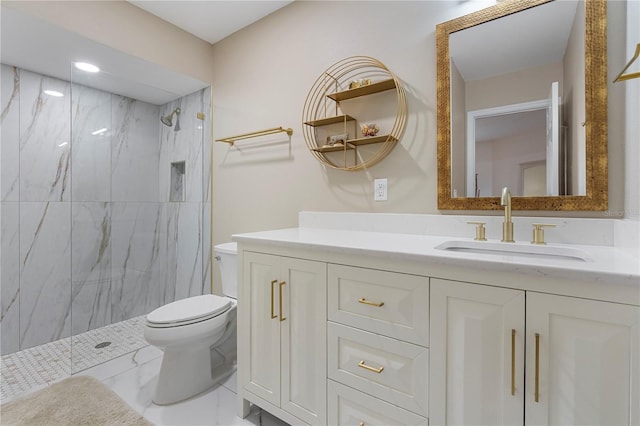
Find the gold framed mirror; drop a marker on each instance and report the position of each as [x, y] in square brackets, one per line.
[562, 166]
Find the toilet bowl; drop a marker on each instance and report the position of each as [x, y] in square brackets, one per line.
[197, 336]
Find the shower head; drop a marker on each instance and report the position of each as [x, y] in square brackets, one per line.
[167, 120]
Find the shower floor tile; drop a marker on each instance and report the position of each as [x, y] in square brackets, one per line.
[36, 367]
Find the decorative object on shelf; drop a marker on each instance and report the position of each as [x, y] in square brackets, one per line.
[359, 83]
[232, 139]
[337, 139]
[325, 113]
[369, 129]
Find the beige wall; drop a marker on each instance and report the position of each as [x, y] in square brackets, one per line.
[517, 87]
[262, 75]
[458, 133]
[511, 154]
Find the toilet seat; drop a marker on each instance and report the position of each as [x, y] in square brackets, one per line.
[188, 311]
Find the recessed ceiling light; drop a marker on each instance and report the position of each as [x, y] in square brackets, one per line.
[53, 93]
[84, 66]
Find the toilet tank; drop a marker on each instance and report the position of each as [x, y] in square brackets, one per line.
[227, 256]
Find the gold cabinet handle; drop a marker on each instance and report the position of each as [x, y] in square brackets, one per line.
[513, 361]
[361, 424]
[366, 367]
[369, 302]
[282, 283]
[536, 393]
[273, 315]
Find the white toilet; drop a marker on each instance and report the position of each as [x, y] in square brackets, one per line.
[197, 335]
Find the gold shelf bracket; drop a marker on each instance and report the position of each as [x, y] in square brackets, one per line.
[232, 139]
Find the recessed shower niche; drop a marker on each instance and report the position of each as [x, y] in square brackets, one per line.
[176, 190]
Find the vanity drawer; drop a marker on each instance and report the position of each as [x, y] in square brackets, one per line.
[389, 303]
[389, 369]
[349, 407]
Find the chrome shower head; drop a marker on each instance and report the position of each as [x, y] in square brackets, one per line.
[167, 120]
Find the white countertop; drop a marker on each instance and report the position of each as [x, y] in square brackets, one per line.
[607, 264]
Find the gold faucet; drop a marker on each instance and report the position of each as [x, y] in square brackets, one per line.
[507, 225]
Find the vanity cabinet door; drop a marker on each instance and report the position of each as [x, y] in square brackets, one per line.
[303, 359]
[286, 364]
[477, 354]
[260, 294]
[584, 362]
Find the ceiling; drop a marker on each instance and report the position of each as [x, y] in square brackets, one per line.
[210, 20]
[36, 45]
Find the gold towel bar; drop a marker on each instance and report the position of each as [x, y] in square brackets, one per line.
[629, 76]
[232, 139]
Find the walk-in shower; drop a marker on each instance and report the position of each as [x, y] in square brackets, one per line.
[167, 120]
[112, 241]
[91, 239]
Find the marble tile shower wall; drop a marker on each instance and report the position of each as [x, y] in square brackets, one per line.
[89, 236]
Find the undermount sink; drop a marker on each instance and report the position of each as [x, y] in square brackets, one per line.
[515, 249]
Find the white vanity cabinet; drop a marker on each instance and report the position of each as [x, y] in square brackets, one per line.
[477, 354]
[583, 355]
[284, 349]
[377, 341]
[364, 329]
[581, 358]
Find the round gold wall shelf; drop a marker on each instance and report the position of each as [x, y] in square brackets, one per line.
[332, 134]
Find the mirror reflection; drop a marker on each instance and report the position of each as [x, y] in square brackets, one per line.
[522, 103]
[518, 104]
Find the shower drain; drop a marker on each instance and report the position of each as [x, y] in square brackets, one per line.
[102, 345]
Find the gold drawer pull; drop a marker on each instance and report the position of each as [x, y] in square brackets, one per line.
[282, 318]
[361, 424]
[366, 367]
[513, 361]
[369, 302]
[536, 392]
[273, 315]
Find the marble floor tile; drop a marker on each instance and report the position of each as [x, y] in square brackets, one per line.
[123, 363]
[131, 374]
[213, 407]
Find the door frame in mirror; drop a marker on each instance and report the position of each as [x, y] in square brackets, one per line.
[471, 123]
[596, 198]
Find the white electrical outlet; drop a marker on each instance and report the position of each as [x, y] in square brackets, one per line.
[380, 189]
